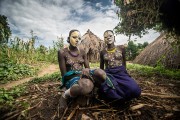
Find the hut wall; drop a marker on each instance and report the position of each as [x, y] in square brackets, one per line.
[159, 51]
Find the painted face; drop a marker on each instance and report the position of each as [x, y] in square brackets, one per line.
[109, 37]
[75, 37]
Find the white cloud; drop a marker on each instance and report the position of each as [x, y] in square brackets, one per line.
[51, 18]
[98, 5]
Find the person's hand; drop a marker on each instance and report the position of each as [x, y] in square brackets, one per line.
[85, 72]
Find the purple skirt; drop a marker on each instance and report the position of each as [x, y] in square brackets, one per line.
[119, 85]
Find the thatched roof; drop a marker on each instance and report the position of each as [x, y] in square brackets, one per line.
[92, 45]
[160, 50]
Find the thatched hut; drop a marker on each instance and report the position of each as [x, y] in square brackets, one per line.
[92, 45]
[160, 51]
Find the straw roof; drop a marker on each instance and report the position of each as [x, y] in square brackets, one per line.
[92, 45]
[160, 51]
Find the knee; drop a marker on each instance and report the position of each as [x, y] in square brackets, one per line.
[99, 77]
[75, 90]
[136, 91]
[86, 86]
[100, 74]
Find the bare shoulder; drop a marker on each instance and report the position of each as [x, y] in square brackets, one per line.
[62, 51]
[103, 52]
[121, 47]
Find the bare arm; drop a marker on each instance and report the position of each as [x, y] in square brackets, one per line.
[86, 62]
[85, 71]
[101, 60]
[124, 56]
[61, 61]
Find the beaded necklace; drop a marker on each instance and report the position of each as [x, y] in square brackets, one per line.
[73, 54]
[112, 50]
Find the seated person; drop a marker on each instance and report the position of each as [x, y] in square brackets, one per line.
[72, 62]
[114, 82]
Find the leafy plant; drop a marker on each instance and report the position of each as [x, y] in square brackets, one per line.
[52, 77]
[12, 71]
[8, 96]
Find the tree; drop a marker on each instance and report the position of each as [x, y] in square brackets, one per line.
[5, 31]
[138, 16]
[59, 44]
[139, 46]
[145, 44]
[131, 50]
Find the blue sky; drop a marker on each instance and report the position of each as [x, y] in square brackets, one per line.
[51, 18]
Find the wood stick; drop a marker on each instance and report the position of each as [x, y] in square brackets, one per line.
[10, 113]
[72, 113]
[135, 107]
[105, 110]
[64, 113]
[93, 107]
[161, 96]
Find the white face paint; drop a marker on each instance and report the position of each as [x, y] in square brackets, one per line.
[75, 37]
[109, 37]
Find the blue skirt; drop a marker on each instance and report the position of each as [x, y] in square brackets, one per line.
[119, 85]
[72, 81]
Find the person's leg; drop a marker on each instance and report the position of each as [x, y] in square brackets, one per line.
[86, 86]
[71, 85]
[73, 91]
[63, 100]
[82, 87]
[133, 90]
[99, 77]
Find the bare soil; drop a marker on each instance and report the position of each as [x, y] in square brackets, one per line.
[160, 100]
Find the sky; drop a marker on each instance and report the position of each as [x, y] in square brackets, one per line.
[50, 19]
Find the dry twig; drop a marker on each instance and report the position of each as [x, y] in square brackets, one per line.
[161, 96]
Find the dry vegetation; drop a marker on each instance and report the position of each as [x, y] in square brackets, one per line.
[160, 100]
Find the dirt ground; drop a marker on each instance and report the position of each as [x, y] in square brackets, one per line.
[160, 100]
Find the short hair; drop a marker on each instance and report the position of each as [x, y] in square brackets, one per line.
[109, 31]
[70, 32]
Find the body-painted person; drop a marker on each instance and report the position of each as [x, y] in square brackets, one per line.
[73, 64]
[115, 82]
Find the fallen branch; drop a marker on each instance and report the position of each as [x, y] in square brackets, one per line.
[93, 107]
[36, 86]
[136, 107]
[19, 113]
[52, 118]
[12, 117]
[105, 110]
[62, 117]
[72, 113]
[161, 96]
[10, 114]
[32, 107]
